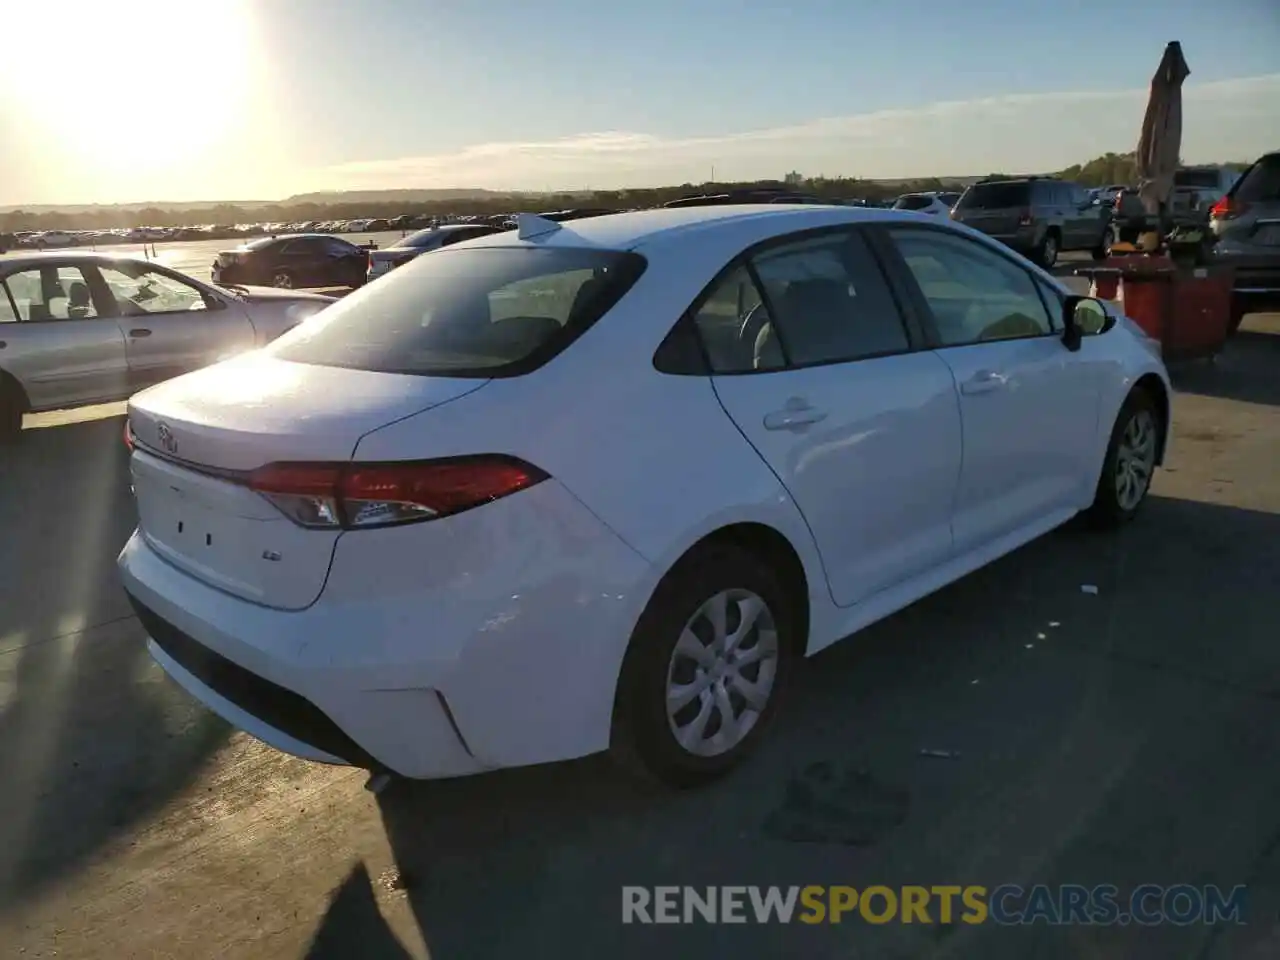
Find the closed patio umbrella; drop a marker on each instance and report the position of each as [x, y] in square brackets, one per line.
[1160, 143]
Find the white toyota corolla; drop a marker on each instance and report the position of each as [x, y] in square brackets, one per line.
[597, 485]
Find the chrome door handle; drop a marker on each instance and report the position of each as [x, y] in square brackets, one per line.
[793, 417]
[984, 381]
[139, 332]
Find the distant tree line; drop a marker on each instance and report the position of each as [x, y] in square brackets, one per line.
[1107, 169]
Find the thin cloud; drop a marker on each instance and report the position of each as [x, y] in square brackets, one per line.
[1036, 131]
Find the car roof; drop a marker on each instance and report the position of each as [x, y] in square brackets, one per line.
[35, 258]
[625, 231]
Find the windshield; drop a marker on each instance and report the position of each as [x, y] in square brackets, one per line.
[1195, 178]
[491, 311]
[995, 196]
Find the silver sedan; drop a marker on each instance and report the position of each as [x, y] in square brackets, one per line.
[82, 328]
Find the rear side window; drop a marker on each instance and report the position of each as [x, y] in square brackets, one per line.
[492, 311]
[1261, 184]
[995, 196]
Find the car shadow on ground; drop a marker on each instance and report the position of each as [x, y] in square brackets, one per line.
[1248, 369]
[78, 767]
[1012, 727]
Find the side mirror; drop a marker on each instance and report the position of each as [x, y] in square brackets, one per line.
[1083, 317]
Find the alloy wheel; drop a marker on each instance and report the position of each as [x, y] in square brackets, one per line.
[722, 672]
[1135, 460]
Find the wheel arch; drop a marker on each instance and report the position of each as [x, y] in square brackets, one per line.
[11, 385]
[1155, 388]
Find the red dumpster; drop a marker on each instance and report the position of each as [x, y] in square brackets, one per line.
[1187, 309]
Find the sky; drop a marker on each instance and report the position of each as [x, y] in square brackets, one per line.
[184, 100]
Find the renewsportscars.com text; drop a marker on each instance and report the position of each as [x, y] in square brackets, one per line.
[1009, 904]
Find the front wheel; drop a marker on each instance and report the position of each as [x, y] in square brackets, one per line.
[707, 665]
[1130, 462]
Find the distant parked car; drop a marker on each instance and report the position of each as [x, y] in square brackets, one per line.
[937, 204]
[1246, 222]
[1037, 216]
[424, 241]
[306, 260]
[81, 328]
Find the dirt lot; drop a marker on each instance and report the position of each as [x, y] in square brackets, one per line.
[1135, 741]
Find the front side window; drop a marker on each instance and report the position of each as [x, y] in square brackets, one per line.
[974, 294]
[140, 290]
[50, 293]
[484, 312]
[830, 303]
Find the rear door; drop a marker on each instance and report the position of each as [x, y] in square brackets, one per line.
[170, 325]
[813, 361]
[58, 337]
[1029, 406]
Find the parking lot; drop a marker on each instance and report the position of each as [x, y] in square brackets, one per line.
[1125, 736]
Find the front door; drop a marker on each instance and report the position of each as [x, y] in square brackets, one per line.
[815, 366]
[59, 339]
[170, 325]
[1029, 407]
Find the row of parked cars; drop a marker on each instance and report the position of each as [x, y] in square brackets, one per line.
[50, 359]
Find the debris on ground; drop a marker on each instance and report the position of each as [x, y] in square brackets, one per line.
[1089, 588]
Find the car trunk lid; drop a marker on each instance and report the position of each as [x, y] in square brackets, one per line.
[199, 437]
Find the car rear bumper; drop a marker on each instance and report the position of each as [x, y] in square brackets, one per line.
[494, 639]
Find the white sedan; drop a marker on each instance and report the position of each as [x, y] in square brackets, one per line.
[597, 485]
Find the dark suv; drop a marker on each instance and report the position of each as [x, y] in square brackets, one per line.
[1037, 216]
[1247, 224]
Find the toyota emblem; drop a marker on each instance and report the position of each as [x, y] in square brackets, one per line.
[167, 439]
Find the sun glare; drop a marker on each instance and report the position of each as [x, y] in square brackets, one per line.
[125, 82]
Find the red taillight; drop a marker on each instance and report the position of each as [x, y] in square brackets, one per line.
[1226, 208]
[361, 495]
[128, 435]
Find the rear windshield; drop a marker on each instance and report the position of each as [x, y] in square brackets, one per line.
[913, 201]
[1261, 184]
[995, 196]
[419, 239]
[486, 312]
[260, 244]
[1195, 178]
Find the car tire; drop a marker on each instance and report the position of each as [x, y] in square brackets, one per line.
[1130, 462]
[662, 657]
[11, 410]
[1047, 252]
[282, 280]
[1103, 250]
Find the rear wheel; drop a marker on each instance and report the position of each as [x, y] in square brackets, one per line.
[1130, 462]
[1103, 249]
[706, 668]
[282, 279]
[1047, 254]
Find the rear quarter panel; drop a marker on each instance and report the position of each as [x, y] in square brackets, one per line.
[653, 456]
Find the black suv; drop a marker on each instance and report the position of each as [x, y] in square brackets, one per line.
[1038, 216]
